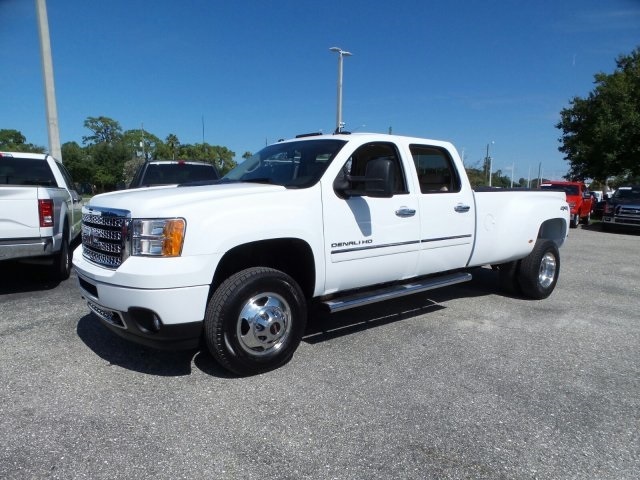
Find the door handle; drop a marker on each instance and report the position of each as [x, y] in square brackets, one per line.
[405, 212]
[461, 208]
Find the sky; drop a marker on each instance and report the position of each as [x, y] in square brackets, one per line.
[244, 73]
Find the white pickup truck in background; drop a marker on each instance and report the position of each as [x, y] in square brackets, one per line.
[343, 220]
[40, 211]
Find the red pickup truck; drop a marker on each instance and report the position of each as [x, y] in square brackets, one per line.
[578, 197]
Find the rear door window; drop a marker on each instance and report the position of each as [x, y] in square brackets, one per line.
[435, 169]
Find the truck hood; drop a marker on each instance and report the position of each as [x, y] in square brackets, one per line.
[163, 200]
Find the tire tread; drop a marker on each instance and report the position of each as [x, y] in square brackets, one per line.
[214, 319]
[530, 267]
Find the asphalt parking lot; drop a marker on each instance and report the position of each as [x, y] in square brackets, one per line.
[456, 383]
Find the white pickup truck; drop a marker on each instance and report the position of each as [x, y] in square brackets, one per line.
[40, 211]
[342, 220]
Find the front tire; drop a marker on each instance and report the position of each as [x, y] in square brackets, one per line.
[255, 320]
[539, 270]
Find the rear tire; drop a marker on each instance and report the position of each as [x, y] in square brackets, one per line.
[61, 267]
[587, 220]
[255, 320]
[575, 221]
[539, 270]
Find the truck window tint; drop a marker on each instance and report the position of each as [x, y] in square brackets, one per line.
[568, 189]
[166, 174]
[435, 170]
[25, 171]
[631, 193]
[356, 165]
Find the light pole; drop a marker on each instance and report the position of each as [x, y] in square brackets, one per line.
[489, 161]
[512, 168]
[341, 53]
[47, 74]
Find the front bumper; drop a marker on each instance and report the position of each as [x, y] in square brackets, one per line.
[622, 221]
[164, 318]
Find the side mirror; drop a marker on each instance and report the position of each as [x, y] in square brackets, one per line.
[378, 181]
[379, 178]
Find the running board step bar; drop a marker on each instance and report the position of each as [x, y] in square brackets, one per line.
[395, 291]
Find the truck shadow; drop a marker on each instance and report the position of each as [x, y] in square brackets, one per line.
[119, 352]
[619, 229]
[18, 277]
[323, 325]
[22, 278]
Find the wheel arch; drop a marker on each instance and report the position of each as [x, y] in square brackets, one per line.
[554, 229]
[292, 256]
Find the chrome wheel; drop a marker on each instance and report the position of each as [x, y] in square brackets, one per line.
[539, 271]
[264, 324]
[255, 320]
[547, 272]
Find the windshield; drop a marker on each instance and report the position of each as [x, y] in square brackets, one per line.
[291, 164]
[630, 193]
[568, 189]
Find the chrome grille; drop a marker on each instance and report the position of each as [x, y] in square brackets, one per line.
[105, 235]
[627, 214]
[107, 315]
[629, 210]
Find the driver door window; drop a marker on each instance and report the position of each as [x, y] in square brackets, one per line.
[356, 166]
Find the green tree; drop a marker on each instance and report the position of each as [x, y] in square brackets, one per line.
[108, 161]
[477, 176]
[78, 162]
[106, 151]
[130, 168]
[223, 159]
[103, 129]
[601, 133]
[14, 141]
[141, 143]
[172, 143]
[219, 156]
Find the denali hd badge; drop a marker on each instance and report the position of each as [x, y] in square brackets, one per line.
[352, 243]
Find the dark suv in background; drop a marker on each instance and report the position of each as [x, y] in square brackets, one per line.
[622, 209]
[170, 172]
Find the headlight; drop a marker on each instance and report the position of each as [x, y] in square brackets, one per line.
[572, 204]
[608, 208]
[158, 237]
